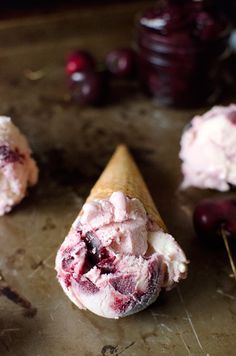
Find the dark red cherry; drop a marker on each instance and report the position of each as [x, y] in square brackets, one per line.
[211, 215]
[88, 87]
[78, 61]
[121, 62]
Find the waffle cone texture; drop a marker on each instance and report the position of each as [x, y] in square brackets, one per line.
[122, 175]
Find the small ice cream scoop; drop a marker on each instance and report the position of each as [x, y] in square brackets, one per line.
[208, 150]
[118, 255]
[18, 170]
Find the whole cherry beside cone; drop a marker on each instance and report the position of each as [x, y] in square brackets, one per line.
[215, 219]
[211, 215]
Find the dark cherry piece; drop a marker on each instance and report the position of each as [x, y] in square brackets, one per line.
[88, 87]
[78, 61]
[121, 62]
[87, 286]
[96, 253]
[124, 284]
[107, 265]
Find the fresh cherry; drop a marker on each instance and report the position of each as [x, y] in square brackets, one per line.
[212, 215]
[121, 62]
[78, 61]
[88, 87]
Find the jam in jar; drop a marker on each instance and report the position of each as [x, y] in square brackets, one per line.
[182, 47]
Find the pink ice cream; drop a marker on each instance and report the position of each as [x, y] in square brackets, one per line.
[115, 260]
[208, 150]
[17, 168]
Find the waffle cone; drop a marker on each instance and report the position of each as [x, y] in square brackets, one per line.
[122, 175]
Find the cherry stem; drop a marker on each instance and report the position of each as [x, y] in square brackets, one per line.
[228, 251]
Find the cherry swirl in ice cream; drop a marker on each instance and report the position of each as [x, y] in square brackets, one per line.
[115, 260]
[18, 170]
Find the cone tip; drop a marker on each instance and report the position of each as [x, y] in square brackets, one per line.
[121, 146]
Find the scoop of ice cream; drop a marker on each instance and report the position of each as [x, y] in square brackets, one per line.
[208, 150]
[119, 222]
[17, 169]
[115, 261]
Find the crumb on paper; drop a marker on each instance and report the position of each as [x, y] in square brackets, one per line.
[34, 75]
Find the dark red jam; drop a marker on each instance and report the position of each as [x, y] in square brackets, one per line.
[182, 48]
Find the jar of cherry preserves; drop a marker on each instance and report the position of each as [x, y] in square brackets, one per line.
[182, 47]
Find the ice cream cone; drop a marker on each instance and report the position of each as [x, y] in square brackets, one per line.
[114, 262]
[122, 175]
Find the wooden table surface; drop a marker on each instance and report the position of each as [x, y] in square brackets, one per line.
[72, 145]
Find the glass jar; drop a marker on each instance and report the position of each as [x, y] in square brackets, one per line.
[182, 48]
